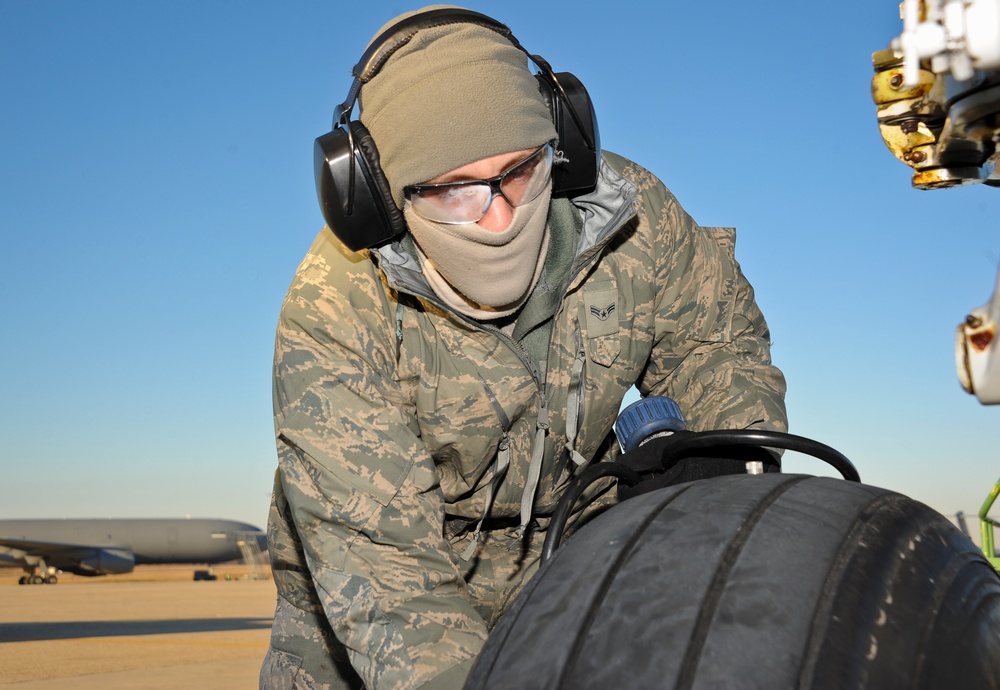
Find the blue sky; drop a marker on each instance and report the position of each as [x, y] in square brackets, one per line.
[156, 195]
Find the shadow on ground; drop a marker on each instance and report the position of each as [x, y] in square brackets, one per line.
[29, 632]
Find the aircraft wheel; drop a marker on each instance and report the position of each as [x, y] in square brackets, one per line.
[23, 580]
[36, 579]
[769, 581]
[51, 580]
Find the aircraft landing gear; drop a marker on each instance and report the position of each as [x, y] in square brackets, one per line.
[42, 575]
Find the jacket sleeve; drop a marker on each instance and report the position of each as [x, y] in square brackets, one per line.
[711, 349]
[362, 490]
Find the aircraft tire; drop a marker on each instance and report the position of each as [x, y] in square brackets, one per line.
[51, 580]
[769, 581]
[36, 579]
[23, 580]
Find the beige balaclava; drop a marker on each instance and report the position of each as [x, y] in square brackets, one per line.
[452, 95]
[479, 272]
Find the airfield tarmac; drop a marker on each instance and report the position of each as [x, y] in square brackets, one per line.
[154, 628]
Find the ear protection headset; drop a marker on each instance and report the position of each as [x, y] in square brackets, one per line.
[353, 192]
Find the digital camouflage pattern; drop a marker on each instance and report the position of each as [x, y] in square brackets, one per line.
[394, 416]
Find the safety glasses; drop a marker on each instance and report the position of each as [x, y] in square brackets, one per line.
[467, 201]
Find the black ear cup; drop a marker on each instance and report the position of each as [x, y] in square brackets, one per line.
[353, 192]
[365, 143]
[579, 138]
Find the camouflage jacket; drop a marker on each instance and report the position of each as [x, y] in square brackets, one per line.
[400, 424]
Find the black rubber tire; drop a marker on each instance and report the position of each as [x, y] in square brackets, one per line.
[769, 581]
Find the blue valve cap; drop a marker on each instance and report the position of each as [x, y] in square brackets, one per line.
[646, 417]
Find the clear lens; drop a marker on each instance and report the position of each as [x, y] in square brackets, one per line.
[468, 201]
[525, 181]
[453, 204]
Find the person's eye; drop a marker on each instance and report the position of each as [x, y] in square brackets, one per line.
[525, 169]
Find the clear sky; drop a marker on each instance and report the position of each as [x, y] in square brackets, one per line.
[156, 195]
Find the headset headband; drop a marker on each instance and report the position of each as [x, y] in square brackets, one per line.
[385, 45]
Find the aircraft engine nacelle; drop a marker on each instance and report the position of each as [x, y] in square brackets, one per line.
[105, 562]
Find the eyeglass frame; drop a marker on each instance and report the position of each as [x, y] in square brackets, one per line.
[493, 183]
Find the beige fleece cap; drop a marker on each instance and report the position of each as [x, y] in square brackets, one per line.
[452, 95]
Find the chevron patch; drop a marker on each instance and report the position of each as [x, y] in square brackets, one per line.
[602, 307]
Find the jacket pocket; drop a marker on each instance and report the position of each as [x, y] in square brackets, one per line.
[600, 321]
[279, 671]
[296, 587]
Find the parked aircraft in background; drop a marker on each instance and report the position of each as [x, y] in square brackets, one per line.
[117, 545]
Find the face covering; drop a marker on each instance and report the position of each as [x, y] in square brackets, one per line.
[478, 272]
